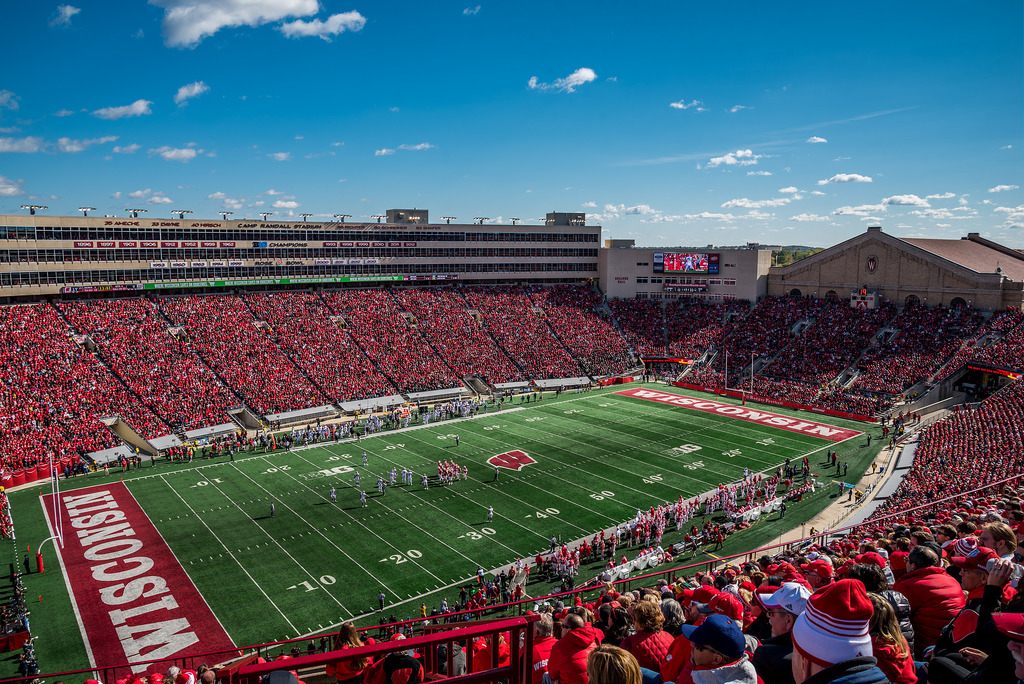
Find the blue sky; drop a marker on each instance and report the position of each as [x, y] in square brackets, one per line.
[676, 123]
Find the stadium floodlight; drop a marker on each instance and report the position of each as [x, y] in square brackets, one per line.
[135, 212]
[448, 219]
[341, 217]
[265, 214]
[481, 219]
[305, 216]
[378, 217]
[224, 214]
[180, 212]
[32, 208]
[85, 210]
[515, 220]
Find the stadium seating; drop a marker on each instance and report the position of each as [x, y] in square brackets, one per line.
[303, 329]
[510, 317]
[443, 318]
[224, 334]
[133, 339]
[572, 313]
[376, 323]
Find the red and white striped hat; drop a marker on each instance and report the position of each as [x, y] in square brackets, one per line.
[834, 626]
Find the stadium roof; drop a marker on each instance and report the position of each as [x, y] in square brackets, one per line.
[976, 254]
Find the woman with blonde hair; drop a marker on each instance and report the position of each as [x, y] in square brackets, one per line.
[888, 643]
[612, 665]
[348, 671]
[650, 644]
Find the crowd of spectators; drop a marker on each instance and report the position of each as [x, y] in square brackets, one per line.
[376, 323]
[838, 336]
[301, 326]
[53, 392]
[686, 328]
[443, 318]
[642, 323]
[573, 313]
[925, 338]
[133, 339]
[522, 330]
[967, 449]
[223, 332]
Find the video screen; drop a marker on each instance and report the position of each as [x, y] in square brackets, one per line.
[685, 262]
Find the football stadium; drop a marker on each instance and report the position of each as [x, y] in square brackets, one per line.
[230, 442]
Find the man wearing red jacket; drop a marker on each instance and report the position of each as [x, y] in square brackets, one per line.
[935, 597]
[567, 663]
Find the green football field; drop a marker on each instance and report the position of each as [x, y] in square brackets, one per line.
[315, 563]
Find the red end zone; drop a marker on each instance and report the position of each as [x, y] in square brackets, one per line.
[806, 427]
[134, 599]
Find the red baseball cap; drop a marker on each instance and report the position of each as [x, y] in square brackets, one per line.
[871, 558]
[821, 568]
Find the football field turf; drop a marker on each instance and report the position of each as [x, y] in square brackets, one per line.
[591, 460]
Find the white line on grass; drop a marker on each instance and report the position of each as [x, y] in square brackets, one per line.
[315, 529]
[240, 565]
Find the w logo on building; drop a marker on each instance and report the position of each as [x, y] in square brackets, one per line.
[513, 460]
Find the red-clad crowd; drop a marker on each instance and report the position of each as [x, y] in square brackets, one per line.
[925, 337]
[838, 336]
[443, 318]
[223, 333]
[572, 312]
[53, 392]
[376, 323]
[134, 341]
[763, 333]
[685, 329]
[301, 325]
[521, 329]
[642, 323]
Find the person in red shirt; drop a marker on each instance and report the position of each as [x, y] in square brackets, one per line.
[543, 641]
[567, 663]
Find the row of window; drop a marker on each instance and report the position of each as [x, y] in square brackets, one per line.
[235, 273]
[59, 256]
[281, 235]
[687, 281]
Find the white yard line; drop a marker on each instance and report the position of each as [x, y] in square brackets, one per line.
[240, 565]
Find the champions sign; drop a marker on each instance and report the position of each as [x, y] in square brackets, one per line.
[134, 601]
[807, 427]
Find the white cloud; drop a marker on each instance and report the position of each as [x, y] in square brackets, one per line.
[683, 104]
[71, 146]
[905, 201]
[28, 145]
[936, 214]
[1012, 213]
[8, 100]
[127, 149]
[738, 108]
[285, 204]
[187, 22]
[175, 154]
[745, 203]
[569, 84]
[862, 210]
[709, 216]
[945, 195]
[420, 146]
[116, 195]
[1003, 188]
[159, 199]
[64, 14]
[232, 204]
[815, 140]
[10, 187]
[187, 92]
[846, 178]
[383, 152]
[759, 173]
[790, 190]
[589, 205]
[808, 217]
[280, 156]
[217, 196]
[139, 194]
[272, 192]
[1006, 147]
[63, 112]
[334, 25]
[471, 11]
[391, 109]
[137, 108]
[741, 157]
